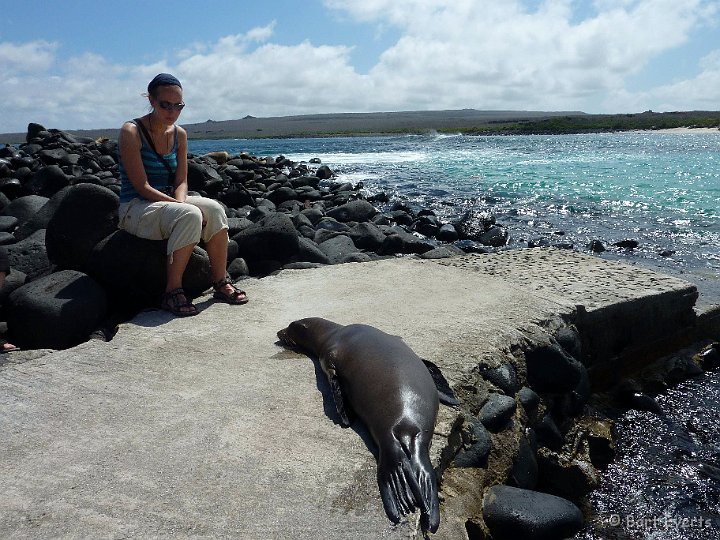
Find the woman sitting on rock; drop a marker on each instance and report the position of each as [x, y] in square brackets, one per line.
[154, 201]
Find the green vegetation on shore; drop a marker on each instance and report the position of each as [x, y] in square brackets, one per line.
[599, 123]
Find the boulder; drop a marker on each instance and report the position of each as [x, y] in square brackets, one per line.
[273, 238]
[14, 280]
[282, 194]
[331, 224]
[494, 237]
[627, 244]
[367, 236]
[238, 268]
[42, 217]
[524, 472]
[309, 251]
[548, 433]
[353, 211]
[566, 476]
[301, 220]
[529, 399]
[551, 369]
[133, 270]
[357, 257]
[324, 172]
[337, 248]
[23, 208]
[427, 225]
[8, 224]
[497, 411]
[313, 214]
[596, 246]
[56, 311]
[33, 131]
[511, 513]
[442, 252]
[11, 188]
[321, 235]
[86, 214]
[7, 238]
[236, 197]
[477, 444]
[30, 256]
[569, 339]
[473, 224]
[447, 233]
[47, 181]
[404, 242]
[503, 377]
[4, 199]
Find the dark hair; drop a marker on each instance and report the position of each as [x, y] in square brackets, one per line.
[162, 79]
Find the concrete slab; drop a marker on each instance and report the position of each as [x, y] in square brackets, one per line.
[205, 427]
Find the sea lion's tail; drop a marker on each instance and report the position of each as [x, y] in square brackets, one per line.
[407, 482]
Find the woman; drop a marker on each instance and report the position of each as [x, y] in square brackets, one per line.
[154, 201]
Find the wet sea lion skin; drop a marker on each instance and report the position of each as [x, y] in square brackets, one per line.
[379, 378]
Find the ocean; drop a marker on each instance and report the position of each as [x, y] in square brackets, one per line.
[659, 189]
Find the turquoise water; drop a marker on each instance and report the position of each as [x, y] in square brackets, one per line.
[661, 189]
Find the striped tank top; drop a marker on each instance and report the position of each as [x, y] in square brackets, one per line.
[157, 173]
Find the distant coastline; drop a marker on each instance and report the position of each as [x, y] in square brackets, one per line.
[466, 121]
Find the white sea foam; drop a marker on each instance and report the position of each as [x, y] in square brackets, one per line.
[369, 158]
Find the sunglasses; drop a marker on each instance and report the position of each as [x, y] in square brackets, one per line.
[171, 106]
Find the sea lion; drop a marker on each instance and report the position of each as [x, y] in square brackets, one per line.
[393, 391]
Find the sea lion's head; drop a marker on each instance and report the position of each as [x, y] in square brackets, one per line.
[307, 333]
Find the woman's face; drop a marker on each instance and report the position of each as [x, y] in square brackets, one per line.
[165, 102]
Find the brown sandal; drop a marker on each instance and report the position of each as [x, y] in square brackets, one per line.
[236, 297]
[177, 303]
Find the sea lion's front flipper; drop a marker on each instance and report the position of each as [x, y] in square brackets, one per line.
[328, 364]
[445, 393]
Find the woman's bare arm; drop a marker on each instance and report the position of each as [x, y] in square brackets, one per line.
[181, 185]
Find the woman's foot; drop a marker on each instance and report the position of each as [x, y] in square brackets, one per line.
[177, 303]
[6, 347]
[226, 292]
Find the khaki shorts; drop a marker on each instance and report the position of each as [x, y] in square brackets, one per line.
[181, 224]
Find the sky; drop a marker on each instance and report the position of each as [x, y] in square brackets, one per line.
[81, 64]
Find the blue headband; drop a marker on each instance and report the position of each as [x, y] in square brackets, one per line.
[163, 79]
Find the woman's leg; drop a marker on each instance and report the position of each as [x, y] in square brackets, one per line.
[176, 264]
[217, 250]
[215, 236]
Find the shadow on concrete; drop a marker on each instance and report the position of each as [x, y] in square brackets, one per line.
[329, 408]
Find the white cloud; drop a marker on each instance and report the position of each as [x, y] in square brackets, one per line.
[450, 54]
[28, 57]
[699, 93]
[486, 54]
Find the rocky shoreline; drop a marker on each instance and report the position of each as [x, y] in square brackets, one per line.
[75, 276]
[58, 210]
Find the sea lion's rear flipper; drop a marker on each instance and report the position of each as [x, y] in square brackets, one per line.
[407, 482]
[445, 393]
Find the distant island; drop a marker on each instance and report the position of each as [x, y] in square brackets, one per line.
[466, 121]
